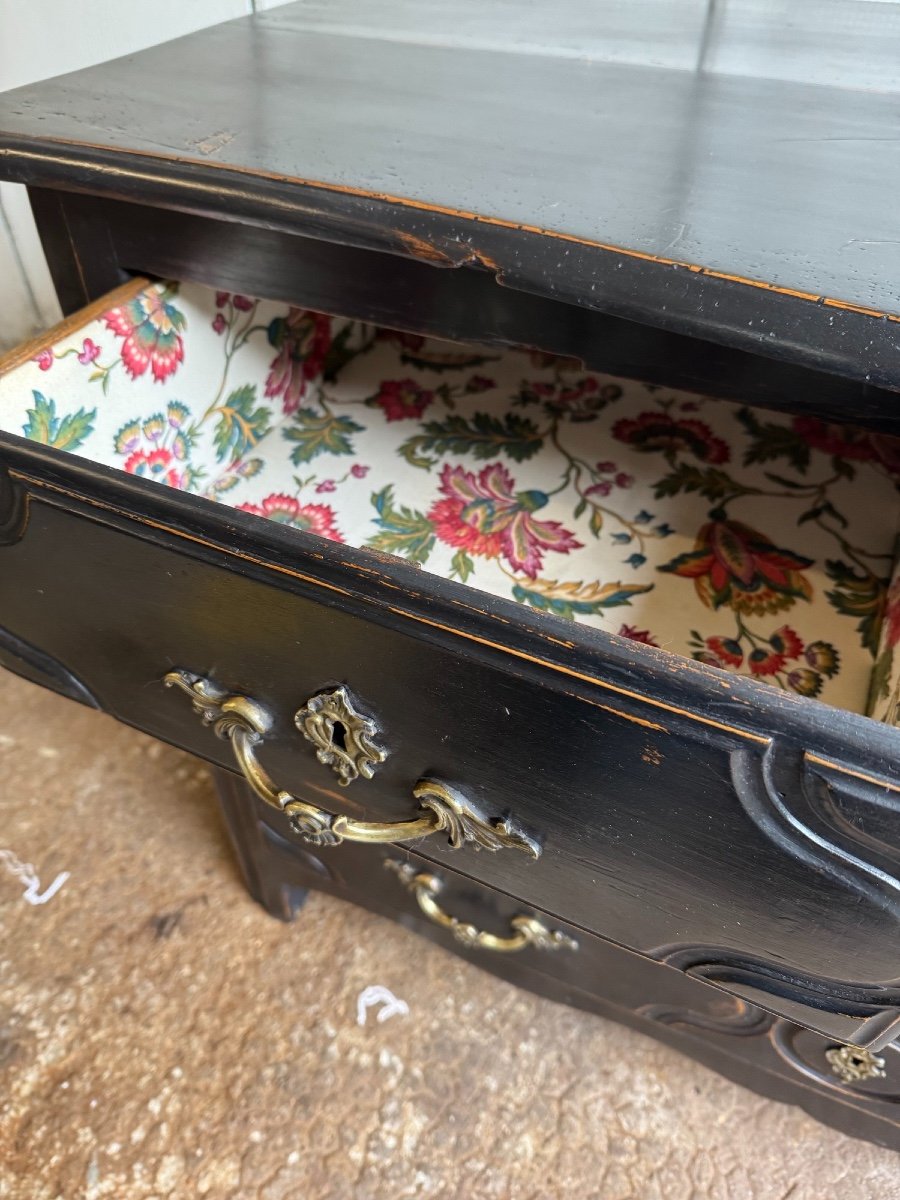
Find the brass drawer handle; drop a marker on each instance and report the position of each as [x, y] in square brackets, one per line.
[244, 723]
[527, 931]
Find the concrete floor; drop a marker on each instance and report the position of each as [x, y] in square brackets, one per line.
[161, 1037]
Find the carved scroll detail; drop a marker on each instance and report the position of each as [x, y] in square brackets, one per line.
[745, 1020]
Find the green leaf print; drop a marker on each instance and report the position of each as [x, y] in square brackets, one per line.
[483, 436]
[858, 594]
[319, 433]
[240, 425]
[576, 599]
[773, 441]
[403, 530]
[343, 351]
[709, 482]
[65, 433]
[461, 565]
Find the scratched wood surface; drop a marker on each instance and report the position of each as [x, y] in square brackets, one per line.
[643, 190]
[664, 793]
[775, 1057]
[743, 836]
[787, 183]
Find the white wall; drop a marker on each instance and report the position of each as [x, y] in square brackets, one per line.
[41, 38]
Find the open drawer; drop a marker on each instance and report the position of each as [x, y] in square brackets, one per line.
[603, 654]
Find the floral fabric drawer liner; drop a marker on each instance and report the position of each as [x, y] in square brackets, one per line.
[757, 542]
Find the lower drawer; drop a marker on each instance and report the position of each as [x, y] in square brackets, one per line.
[857, 1092]
[739, 832]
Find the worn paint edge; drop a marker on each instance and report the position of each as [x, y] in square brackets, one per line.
[435, 253]
[843, 770]
[559, 668]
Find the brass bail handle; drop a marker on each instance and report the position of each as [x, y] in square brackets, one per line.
[526, 930]
[244, 723]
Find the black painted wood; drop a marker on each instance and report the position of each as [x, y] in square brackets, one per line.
[65, 267]
[719, 233]
[779, 1059]
[658, 794]
[745, 212]
[464, 304]
[33, 663]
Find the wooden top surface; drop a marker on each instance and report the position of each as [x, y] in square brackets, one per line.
[788, 185]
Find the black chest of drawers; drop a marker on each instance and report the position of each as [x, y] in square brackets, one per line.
[603, 821]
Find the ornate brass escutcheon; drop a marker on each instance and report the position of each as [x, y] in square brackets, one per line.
[853, 1064]
[244, 723]
[526, 930]
[343, 737]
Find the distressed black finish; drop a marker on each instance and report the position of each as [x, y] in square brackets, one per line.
[776, 1057]
[661, 798]
[726, 832]
[32, 663]
[94, 242]
[748, 213]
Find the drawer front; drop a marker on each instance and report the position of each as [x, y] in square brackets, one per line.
[858, 1091]
[736, 833]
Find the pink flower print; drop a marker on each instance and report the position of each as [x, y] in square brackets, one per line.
[151, 327]
[638, 635]
[90, 352]
[244, 303]
[603, 488]
[402, 399]
[286, 510]
[892, 614]
[358, 471]
[479, 383]
[606, 468]
[302, 340]
[44, 360]
[623, 480]
[219, 324]
[158, 464]
[327, 485]
[485, 516]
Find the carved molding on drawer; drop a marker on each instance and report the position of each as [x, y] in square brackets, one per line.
[839, 1068]
[14, 508]
[24, 659]
[744, 1020]
[871, 1011]
[857, 812]
[792, 803]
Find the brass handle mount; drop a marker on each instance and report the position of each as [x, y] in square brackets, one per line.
[526, 930]
[244, 723]
[853, 1064]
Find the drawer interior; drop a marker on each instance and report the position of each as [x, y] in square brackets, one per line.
[754, 542]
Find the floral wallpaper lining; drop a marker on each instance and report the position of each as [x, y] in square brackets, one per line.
[759, 543]
[884, 695]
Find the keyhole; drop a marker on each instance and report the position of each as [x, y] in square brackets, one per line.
[339, 736]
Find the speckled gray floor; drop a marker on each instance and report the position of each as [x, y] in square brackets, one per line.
[161, 1037]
